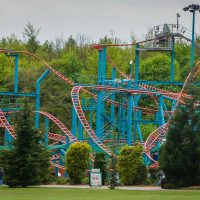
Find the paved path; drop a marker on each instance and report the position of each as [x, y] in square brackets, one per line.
[144, 188]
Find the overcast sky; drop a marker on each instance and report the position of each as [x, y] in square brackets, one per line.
[95, 18]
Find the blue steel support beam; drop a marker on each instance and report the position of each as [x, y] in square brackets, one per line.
[100, 56]
[16, 73]
[80, 131]
[46, 135]
[161, 113]
[98, 115]
[137, 63]
[37, 98]
[129, 122]
[112, 109]
[172, 60]
[104, 66]
[124, 119]
[74, 121]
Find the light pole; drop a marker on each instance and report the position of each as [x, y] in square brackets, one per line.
[177, 22]
[192, 8]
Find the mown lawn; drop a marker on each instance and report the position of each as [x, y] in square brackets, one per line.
[93, 194]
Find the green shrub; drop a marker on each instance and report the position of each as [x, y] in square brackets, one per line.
[62, 180]
[77, 161]
[131, 167]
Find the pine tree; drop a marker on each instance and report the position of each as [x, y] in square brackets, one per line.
[27, 163]
[180, 156]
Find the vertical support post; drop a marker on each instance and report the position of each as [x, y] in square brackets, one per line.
[100, 56]
[80, 131]
[104, 66]
[131, 69]
[135, 118]
[137, 63]
[112, 109]
[46, 136]
[74, 121]
[161, 113]
[172, 60]
[98, 115]
[129, 122]
[16, 73]
[193, 44]
[123, 120]
[37, 98]
[138, 126]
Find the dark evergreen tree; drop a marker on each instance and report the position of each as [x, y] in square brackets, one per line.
[100, 163]
[27, 163]
[180, 156]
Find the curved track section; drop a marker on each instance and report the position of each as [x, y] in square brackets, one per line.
[162, 131]
[62, 127]
[5, 124]
[82, 118]
[56, 137]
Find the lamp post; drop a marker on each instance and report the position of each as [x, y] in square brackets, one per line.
[192, 8]
[177, 22]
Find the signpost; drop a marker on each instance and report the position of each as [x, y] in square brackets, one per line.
[95, 178]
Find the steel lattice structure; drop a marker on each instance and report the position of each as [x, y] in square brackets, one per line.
[115, 102]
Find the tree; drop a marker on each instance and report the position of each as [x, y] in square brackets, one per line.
[77, 161]
[180, 155]
[30, 34]
[131, 167]
[27, 163]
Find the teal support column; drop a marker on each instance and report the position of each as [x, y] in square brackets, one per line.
[124, 122]
[98, 115]
[100, 56]
[46, 136]
[139, 116]
[104, 65]
[37, 97]
[80, 131]
[119, 120]
[172, 60]
[129, 122]
[74, 121]
[193, 44]
[137, 63]
[135, 118]
[161, 113]
[80, 126]
[16, 73]
[131, 69]
[112, 109]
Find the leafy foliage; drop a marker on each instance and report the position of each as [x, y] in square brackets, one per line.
[27, 163]
[180, 156]
[131, 167]
[77, 161]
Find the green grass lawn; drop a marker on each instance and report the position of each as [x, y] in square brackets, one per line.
[93, 194]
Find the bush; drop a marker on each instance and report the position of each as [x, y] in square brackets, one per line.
[77, 161]
[131, 167]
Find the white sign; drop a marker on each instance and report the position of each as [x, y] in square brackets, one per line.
[95, 179]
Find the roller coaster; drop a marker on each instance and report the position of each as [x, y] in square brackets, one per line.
[111, 110]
